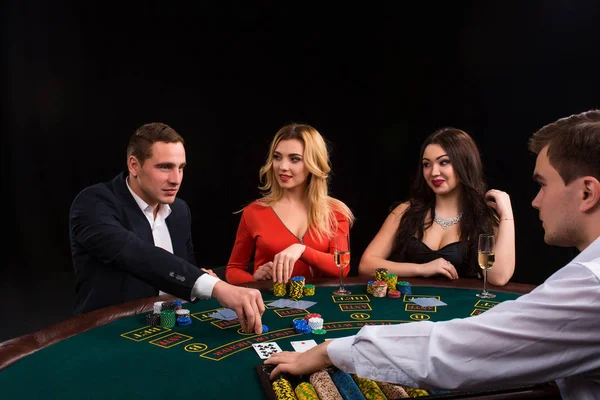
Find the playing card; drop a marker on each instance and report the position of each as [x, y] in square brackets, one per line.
[279, 303]
[225, 314]
[303, 345]
[303, 304]
[428, 302]
[264, 350]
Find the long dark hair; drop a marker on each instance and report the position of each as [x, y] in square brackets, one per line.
[477, 216]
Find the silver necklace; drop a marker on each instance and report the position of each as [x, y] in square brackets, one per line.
[447, 222]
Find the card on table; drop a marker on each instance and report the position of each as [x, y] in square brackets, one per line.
[303, 345]
[428, 302]
[226, 314]
[264, 350]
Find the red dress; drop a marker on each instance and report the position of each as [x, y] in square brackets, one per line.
[261, 235]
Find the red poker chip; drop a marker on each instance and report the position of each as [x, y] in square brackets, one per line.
[394, 294]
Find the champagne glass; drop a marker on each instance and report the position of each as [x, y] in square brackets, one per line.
[486, 258]
[341, 256]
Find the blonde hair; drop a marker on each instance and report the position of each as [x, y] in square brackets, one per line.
[321, 206]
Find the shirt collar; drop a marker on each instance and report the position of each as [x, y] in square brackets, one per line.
[164, 211]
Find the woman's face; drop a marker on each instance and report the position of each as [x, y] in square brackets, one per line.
[438, 171]
[288, 164]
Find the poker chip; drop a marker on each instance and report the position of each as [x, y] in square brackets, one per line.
[392, 391]
[380, 274]
[265, 329]
[168, 306]
[324, 386]
[283, 389]
[167, 318]
[315, 323]
[182, 312]
[184, 321]
[391, 280]
[346, 385]
[296, 287]
[312, 315]
[370, 287]
[153, 319]
[301, 326]
[158, 307]
[379, 288]
[279, 289]
[404, 287]
[319, 332]
[178, 304]
[415, 392]
[369, 388]
[394, 294]
[306, 391]
[309, 290]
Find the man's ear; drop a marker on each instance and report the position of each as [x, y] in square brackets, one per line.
[133, 165]
[591, 194]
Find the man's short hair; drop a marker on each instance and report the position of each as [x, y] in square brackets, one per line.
[573, 145]
[145, 136]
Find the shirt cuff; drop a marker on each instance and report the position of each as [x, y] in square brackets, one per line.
[203, 287]
[340, 353]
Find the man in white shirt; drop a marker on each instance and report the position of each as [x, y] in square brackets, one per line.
[131, 237]
[552, 333]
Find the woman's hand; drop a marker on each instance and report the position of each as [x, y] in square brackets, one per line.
[283, 262]
[264, 272]
[499, 201]
[439, 266]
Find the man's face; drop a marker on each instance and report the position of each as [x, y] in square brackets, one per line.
[160, 177]
[557, 204]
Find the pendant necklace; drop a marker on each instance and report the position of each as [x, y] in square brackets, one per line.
[447, 222]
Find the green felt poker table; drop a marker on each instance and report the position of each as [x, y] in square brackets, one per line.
[113, 354]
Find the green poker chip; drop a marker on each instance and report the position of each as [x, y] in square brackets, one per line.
[319, 331]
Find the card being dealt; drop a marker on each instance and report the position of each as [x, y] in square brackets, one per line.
[264, 350]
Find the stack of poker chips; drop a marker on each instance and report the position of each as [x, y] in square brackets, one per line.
[296, 287]
[153, 319]
[370, 287]
[168, 306]
[283, 389]
[301, 326]
[379, 289]
[392, 391]
[178, 304]
[369, 388]
[391, 280]
[394, 294]
[167, 318]
[404, 287]
[346, 385]
[306, 391]
[324, 386]
[380, 274]
[279, 289]
[183, 317]
[309, 290]
[415, 392]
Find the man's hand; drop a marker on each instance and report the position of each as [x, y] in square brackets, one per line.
[247, 304]
[264, 272]
[296, 363]
[209, 271]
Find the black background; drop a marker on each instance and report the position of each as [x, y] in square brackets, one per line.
[374, 78]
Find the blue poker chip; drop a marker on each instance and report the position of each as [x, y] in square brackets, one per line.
[298, 278]
[265, 329]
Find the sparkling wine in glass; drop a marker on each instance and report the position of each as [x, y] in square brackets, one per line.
[486, 258]
[341, 256]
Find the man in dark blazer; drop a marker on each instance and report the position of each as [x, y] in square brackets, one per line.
[131, 237]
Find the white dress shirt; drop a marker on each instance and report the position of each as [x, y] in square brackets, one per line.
[204, 285]
[551, 333]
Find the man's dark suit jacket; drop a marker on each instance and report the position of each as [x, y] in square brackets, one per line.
[114, 255]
